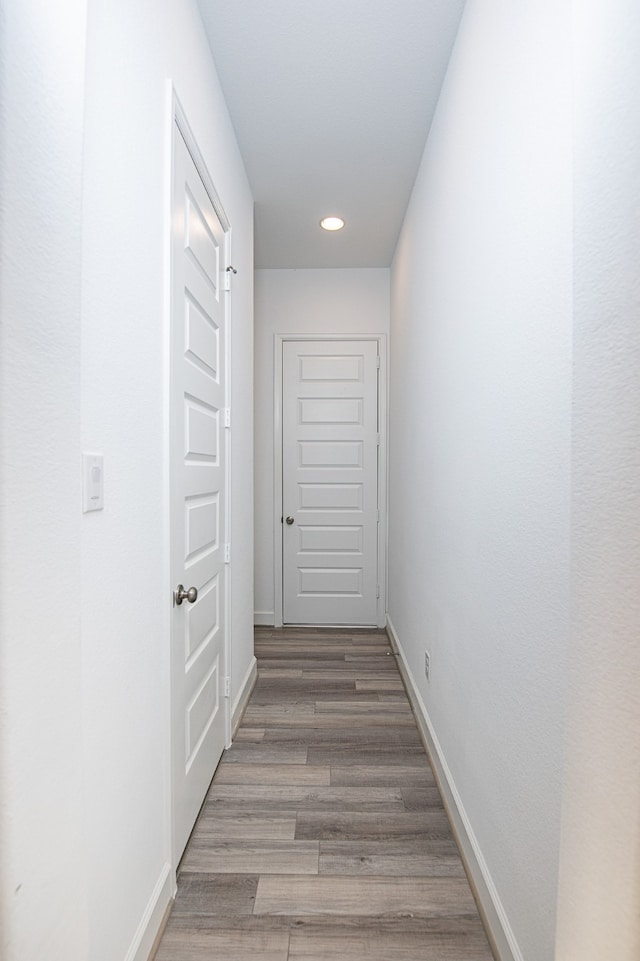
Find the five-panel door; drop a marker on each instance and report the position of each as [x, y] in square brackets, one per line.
[198, 479]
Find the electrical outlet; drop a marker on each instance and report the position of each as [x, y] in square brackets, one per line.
[427, 665]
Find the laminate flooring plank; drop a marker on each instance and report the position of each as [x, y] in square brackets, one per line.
[308, 664]
[229, 824]
[278, 713]
[245, 922]
[382, 735]
[365, 683]
[295, 774]
[417, 797]
[311, 653]
[365, 706]
[358, 826]
[284, 690]
[324, 721]
[383, 662]
[358, 754]
[359, 675]
[264, 697]
[319, 650]
[251, 857]
[231, 939]
[217, 894]
[371, 896]
[366, 939]
[293, 710]
[279, 672]
[376, 775]
[434, 858]
[303, 798]
[246, 752]
[253, 734]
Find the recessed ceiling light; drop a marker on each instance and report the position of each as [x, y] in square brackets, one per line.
[332, 223]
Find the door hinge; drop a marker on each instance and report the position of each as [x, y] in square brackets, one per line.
[377, 590]
[377, 517]
[227, 553]
[227, 417]
[227, 687]
[378, 439]
[378, 361]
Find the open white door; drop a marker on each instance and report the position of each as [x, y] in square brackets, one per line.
[330, 437]
[198, 481]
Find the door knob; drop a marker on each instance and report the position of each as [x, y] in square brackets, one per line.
[181, 595]
[289, 520]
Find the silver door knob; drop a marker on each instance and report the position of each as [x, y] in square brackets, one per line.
[289, 519]
[183, 595]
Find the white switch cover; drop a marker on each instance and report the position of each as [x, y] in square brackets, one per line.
[92, 482]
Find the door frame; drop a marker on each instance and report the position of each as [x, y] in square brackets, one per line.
[278, 440]
[176, 116]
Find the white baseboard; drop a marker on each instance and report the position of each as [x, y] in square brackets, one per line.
[494, 917]
[244, 694]
[144, 940]
[264, 618]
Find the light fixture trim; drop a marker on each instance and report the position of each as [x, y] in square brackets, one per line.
[332, 223]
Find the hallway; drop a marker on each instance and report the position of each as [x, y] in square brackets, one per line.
[323, 836]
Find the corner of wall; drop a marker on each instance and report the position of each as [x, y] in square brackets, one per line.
[264, 618]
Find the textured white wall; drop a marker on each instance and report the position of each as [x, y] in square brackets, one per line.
[599, 910]
[42, 867]
[85, 649]
[479, 441]
[326, 301]
[132, 48]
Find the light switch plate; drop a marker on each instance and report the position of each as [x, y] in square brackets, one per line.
[92, 482]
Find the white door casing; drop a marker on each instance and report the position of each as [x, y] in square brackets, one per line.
[330, 492]
[198, 489]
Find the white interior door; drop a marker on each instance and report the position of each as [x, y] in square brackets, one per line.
[197, 490]
[330, 482]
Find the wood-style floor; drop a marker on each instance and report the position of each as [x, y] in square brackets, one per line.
[323, 836]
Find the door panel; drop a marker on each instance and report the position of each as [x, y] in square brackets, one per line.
[331, 412]
[330, 482]
[329, 453]
[197, 490]
[332, 540]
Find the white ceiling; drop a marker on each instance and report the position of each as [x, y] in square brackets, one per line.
[331, 101]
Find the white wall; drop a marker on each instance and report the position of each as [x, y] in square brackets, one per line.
[480, 444]
[42, 859]
[86, 672]
[323, 301]
[599, 915]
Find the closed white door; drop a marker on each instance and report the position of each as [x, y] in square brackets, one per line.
[197, 491]
[330, 482]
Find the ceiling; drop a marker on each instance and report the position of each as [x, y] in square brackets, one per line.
[331, 101]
